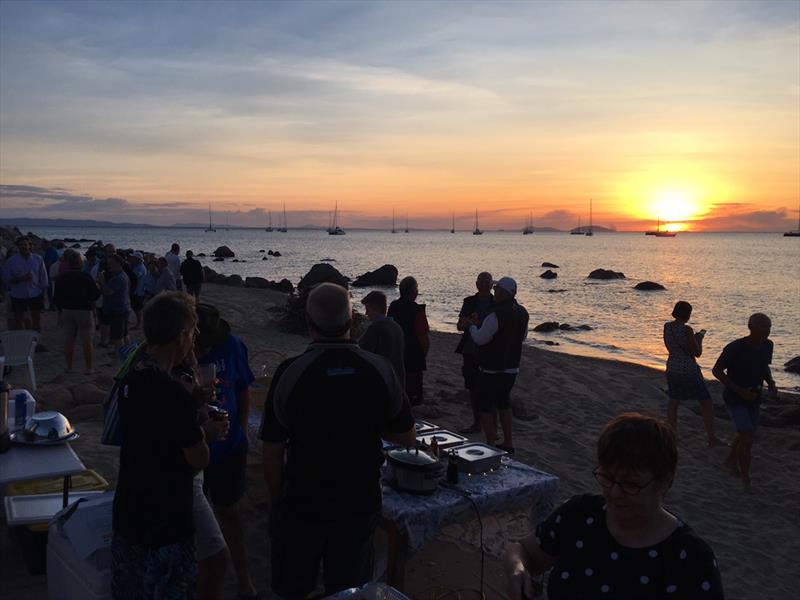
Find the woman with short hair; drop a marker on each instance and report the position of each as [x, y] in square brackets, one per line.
[75, 295]
[623, 543]
[684, 377]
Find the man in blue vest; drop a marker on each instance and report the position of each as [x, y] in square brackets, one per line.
[499, 340]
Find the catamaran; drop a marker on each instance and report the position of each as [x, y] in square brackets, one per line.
[406, 222]
[453, 224]
[334, 229]
[477, 230]
[528, 225]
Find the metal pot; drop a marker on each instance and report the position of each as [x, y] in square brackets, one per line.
[414, 471]
[47, 426]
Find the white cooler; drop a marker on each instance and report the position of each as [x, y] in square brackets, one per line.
[70, 577]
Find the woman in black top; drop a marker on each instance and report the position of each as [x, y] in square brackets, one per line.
[623, 544]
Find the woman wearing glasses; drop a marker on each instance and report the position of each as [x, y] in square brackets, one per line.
[623, 543]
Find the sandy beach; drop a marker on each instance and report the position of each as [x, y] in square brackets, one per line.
[560, 404]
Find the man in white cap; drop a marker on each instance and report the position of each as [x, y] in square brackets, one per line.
[499, 340]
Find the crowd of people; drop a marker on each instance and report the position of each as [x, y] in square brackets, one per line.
[177, 524]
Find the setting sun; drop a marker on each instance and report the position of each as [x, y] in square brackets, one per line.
[676, 204]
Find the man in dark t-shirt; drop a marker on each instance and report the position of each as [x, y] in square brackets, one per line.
[742, 368]
[327, 411]
[383, 336]
[412, 320]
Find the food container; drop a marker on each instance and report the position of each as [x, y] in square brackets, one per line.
[424, 427]
[44, 428]
[21, 406]
[478, 458]
[414, 470]
[444, 439]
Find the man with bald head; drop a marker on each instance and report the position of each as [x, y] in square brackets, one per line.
[324, 417]
[742, 368]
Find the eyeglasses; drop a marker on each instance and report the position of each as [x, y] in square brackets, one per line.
[629, 488]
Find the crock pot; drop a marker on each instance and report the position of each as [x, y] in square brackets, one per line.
[414, 470]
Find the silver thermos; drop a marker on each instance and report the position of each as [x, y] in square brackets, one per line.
[5, 439]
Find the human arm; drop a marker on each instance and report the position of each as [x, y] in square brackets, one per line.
[272, 457]
[522, 560]
[773, 389]
[720, 372]
[197, 455]
[483, 335]
[421, 329]
[695, 342]
[399, 426]
[42, 281]
[464, 316]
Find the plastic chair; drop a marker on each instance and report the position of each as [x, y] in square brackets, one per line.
[18, 348]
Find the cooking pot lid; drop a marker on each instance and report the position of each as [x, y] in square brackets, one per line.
[412, 456]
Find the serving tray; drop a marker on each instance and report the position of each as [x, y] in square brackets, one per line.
[444, 439]
[476, 457]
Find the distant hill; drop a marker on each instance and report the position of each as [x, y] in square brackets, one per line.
[23, 222]
[599, 228]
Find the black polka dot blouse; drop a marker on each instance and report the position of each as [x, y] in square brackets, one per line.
[591, 564]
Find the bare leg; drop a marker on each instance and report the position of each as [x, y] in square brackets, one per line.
[506, 423]
[489, 427]
[745, 455]
[211, 575]
[88, 353]
[69, 352]
[672, 414]
[230, 521]
[708, 422]
[732, 462]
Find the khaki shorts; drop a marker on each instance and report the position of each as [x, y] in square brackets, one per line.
[77, 322]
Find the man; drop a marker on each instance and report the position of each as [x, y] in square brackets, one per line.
[26, 276]
[192, 273]
[174, 262]
[383, 336]
[499, 341]
[474, 308]
[742, 368]
[226, 475]
[136, 262]
[411, 318]
[115, 285]
[75, 296]
[51, 257]
[166, 280]
[330, 406]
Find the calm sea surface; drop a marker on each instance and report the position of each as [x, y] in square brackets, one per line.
[725, 276]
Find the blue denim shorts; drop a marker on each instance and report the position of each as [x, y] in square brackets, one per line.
[745, 417]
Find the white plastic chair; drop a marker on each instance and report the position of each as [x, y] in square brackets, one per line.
[18, 348]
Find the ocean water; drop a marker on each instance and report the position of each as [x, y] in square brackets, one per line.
[726, 277]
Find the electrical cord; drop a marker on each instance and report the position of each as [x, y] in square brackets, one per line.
[468, 495]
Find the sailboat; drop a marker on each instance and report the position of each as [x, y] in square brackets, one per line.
[268, 228]
[795, 233]
[658, 232]
[210, 226]
[406, 222]
[477, 230]
[528, 226]
[285, 226]
[453, 225]
[578, 230]
[334, 229]
[590, 231]
[393, 228]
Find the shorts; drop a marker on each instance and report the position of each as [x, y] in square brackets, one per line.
[20, 305]
[344, 547]
[137, 302]
[687, 386]
[168, 572]
[208, 537]
[77, 322]
[494, 391]
[470, 372]
[225, 481]
[745, 417]
[117, 326]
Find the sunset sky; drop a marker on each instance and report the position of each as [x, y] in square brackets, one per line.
[146, 112]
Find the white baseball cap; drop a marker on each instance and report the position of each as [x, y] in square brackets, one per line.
[507, 284]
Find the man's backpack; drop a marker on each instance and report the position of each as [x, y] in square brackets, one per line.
[112, 428]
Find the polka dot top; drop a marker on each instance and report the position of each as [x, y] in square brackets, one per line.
[592, 564]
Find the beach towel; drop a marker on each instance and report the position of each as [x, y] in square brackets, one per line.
[112, 429]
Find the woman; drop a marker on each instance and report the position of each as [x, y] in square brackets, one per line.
[153, 550]
[75, 295]
[684, 378]
[116, 301]
[622, 544]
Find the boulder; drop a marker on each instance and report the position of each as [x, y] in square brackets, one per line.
[549, 265]
[276, 253]
[556, 291]
[264, 258]
[649, 286]
[75, 245]
[202, 254]
[328, 260]
[385, 275]
[87, 393]
[255, 282]
[549, 274]
[261, 251]
[605, 274]
[585, 327]
[235, 281]
[322, 273]
[546, 327]
[224, 252]
[284, 285]
[235, 260]
[271, 253]
[793, 365]
[219, 259]
[566, 327]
